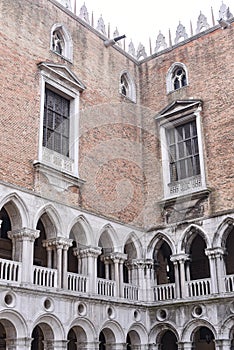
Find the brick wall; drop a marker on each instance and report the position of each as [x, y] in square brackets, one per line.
[120, 157]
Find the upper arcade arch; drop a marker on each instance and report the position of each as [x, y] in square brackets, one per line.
[157, 241]
[222, 232]
[50, 219]
[82, 231]
[17, 211]
[188, 236]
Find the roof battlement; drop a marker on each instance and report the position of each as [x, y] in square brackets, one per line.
[225, 17]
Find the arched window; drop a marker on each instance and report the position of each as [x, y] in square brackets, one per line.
[177, 77]
[61, 42]
[127, 86]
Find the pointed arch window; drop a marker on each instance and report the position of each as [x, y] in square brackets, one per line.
[61, 42]
[127, 87]
[177, 77]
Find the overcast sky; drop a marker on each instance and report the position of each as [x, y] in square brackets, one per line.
[139, 20]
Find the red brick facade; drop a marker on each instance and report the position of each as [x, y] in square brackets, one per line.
[120, 155]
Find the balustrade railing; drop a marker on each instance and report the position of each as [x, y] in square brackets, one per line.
[164, 292]
[197, 288]
[77, 283]
[106, 287]
[10, 271]
[229, 283]
[130, 291]
[44, 277]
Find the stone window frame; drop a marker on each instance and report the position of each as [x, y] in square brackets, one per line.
[169, 120]
[126, 82]
[169, 79]
[67, 44]
[61, 80]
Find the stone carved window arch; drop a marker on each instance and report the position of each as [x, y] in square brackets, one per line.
[177, 77]
[127, 86]
[61, 42]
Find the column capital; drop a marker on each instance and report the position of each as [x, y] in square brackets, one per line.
[181, 258]
[89, 251]
[215, 252]
[58, 242]
[24, 234]
[118, 257]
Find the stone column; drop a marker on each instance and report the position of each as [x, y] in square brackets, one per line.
[217, 262]
[111, 346]
[22, 241]
[154, 346]
[180, 279]
[213, 273]
[118, 259]
[149, 263]
[89, 256]
[140, 263]
[18, 344]
[223, 344]
[55, 344]
[186, 345]
[59, 244]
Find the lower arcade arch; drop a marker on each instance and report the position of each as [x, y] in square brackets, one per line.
[77, 339]
[133, 340]
[106, 339]
[203, 339]
[7, 331]
[168, 340]
[42, 337]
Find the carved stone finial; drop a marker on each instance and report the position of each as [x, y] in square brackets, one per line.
[131, 49]
[101, 26]
[141, 52]
[66, 3]
[224, 12]
[84, 14]
[202, 23]
[180, 33]
[160, 42]
[115, 34]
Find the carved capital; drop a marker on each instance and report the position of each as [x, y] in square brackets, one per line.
[58, 243]
[24, 234]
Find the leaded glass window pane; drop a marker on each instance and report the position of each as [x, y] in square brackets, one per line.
[56, 122]
[183, 151]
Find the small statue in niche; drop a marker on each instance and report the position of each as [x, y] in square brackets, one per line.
[57, 42]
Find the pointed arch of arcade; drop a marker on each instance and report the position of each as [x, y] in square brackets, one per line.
[86, 237]
[156, 242]
[192, 327]
[158, 330]
[189, 234]
[223, 231]
[113, 330]
[108, 238]
[50, 219]
[17, 211]
[51, 327]
[134, 241]
[139, 334]
[14, 324]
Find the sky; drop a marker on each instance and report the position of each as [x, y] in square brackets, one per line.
[141, 20]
